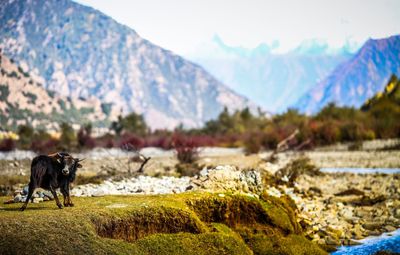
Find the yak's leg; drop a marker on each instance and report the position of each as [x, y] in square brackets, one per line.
[68, 195]
[70, 201]
[53, 191]
[28, 197]
[65, 195]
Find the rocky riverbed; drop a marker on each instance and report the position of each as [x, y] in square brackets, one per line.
[338, 209]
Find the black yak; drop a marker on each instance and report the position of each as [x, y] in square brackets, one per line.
[53, 171]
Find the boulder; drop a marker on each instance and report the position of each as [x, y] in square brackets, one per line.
[389, 228]
[329, 240]
[229, 178]
[351, 191]
[373, 225]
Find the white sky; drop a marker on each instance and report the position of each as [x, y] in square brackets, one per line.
[182, 25]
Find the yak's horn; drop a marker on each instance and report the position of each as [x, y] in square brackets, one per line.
[79, 160]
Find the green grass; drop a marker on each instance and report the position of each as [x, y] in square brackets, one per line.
[189, 223]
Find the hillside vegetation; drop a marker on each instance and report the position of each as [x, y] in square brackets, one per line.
[24, 101]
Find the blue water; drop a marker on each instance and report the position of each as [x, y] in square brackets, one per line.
[361, 170]
[370, 245]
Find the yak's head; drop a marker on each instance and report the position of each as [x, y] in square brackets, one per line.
[69, 163]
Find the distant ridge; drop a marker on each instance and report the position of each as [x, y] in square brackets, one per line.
[271, 79]
[357, 79]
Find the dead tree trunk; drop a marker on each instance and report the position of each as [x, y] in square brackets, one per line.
[146, 159]
[282, 145]
[139, 158]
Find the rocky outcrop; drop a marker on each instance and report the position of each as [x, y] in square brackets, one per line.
[229, 179]
[24, 101]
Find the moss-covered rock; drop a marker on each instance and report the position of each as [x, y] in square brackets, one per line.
[288, 245]
[188, 223]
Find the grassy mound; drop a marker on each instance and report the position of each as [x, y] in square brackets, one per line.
[189, 223]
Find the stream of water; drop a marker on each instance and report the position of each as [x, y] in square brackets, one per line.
[361, 170]
[370, 245]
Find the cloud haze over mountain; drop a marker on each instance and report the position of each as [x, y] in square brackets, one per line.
[273, 80]
[181, 25]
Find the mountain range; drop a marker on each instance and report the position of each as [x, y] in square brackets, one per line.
[80, 52]
[357, 79]
[272, 79]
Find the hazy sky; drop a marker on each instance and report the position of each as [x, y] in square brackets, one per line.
[181, 25]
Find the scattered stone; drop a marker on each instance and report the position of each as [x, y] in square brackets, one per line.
[397, 213]
[329, 240]
[351, 242]
[374, 232]
[347, 213]
[136, 185]
[25, 190]
[368, 201]
[17, 192]
[18, 198]
[372, 225]
[315, 190]
[37, 200]
[351, 191]
[357, 232]
[389, 228]
[272, 191]
[231, 179]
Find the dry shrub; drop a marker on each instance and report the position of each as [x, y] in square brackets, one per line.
[295, 168]
[131, 142]
[163, 142]
[355, 146]
[85, 140]
[188, 169]
[7, 145]
[252, 144]
[44, 146]
[186, 148]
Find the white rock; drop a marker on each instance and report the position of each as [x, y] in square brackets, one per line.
[272, 191]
